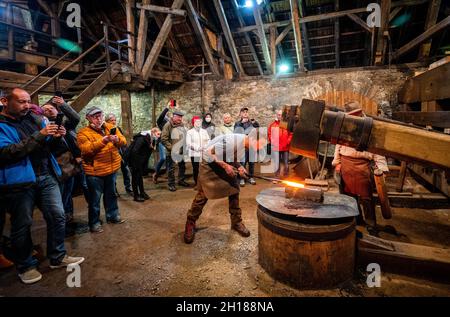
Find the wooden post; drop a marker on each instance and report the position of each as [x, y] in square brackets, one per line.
[152, 94]
[125, 102]
[262, 36]
[297, 34]
[432, 15]
[401, 177]
[273, 48]
[382, 194]
[131, 29]
[108, 58]
[229, 37]
[382, 40]
[202, 90]
[142, 38]
[221, 51]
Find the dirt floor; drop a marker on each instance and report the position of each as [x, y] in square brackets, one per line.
[146, 255]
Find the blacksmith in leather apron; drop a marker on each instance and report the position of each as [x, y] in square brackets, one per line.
[215, 183]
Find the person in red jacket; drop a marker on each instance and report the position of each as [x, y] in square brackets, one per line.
[280, 140]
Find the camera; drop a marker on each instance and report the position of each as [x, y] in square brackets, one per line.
[113, 131]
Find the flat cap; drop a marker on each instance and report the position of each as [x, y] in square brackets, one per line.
[179, 113]
[93, 110]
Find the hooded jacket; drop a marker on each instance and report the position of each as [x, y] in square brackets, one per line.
[16, 170]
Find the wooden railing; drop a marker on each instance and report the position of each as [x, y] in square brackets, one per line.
[76, 60]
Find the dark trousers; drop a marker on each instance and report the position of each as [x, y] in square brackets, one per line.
[137, 181]
[200, 201]
[171, 170]
[126, 176]
[20, 204]
[195, 166]
[80, 179]
[2, 226]
[283, 164]
[66, 194]
[102, 186]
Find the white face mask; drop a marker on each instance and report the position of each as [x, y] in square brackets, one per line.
[208, 119]
[197, 123]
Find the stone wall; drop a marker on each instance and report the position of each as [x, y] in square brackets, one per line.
[261, 96]
[264, 96]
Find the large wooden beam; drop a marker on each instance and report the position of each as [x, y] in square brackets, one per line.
[439, 119]
[431, 85]
[422, 37]
[127, 117]
[404, 258]
[131, 31]
[273, 48]
[326, 16]
[311, 18]
[283, 34]
[433, 179]
[38, 59]
[142, 38]
[262, 36]
[380, 54]
[359, 21]
[432, 15]
[201, 36]
[247, 37]
[271, 18]
[159, 42]
[155, 8]
[228, 37]
[172, 42]
[13, 79]
[297, 34]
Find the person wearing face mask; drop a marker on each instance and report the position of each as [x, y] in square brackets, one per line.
[208, 125]
[196, 140]
[228, 126]
[101, 160]
[280, 140]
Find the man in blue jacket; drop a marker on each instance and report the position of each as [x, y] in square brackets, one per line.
[28, 177]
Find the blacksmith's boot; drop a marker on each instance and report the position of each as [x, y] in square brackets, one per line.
[241, 229]
[189, 231]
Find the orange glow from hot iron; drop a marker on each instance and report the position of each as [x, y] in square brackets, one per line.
[294, 184]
